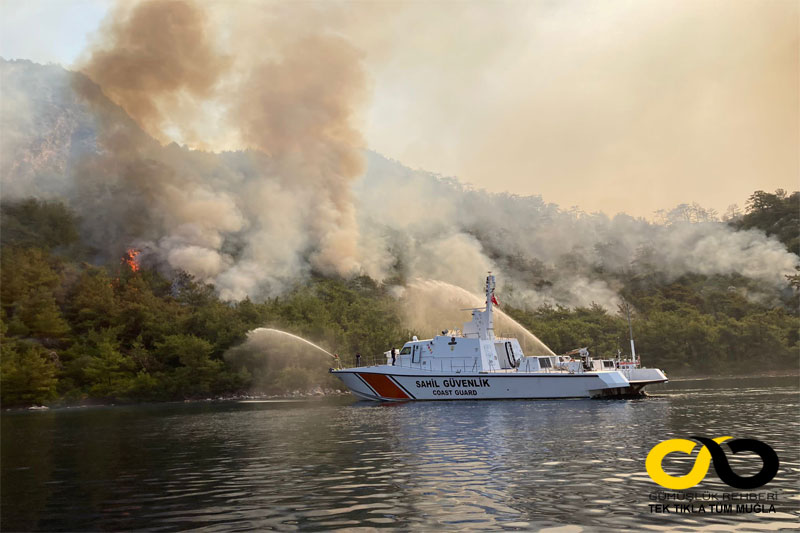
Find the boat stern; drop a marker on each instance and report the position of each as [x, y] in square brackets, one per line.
[646, 376]
[629, 383]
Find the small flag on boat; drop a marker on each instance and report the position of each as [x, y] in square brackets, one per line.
[494, 300]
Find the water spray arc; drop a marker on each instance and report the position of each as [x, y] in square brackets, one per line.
[430, 302]
[290, 335]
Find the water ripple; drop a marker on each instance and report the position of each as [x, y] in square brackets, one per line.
[558, 466]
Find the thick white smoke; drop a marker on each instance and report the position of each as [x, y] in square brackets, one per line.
[443, 230]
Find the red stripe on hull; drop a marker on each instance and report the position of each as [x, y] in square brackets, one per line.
[384, 386]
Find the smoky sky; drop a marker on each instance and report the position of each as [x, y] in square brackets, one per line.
[615, 106]
[609, 106]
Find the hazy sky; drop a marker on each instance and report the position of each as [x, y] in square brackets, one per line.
[616, 106]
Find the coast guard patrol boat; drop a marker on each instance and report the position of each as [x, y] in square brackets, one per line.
[473, 364]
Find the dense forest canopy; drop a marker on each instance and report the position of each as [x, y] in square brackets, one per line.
[73, 330]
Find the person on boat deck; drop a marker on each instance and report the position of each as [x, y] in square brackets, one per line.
[358, 358]
[394, 354]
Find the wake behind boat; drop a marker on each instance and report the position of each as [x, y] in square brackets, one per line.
[473, 364]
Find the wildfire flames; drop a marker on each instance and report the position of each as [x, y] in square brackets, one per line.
[130, 259]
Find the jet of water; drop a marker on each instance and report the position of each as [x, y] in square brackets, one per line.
[431, 302]
[290, 335]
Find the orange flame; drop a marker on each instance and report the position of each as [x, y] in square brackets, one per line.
[130, 259]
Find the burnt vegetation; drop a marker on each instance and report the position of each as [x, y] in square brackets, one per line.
[73, 330]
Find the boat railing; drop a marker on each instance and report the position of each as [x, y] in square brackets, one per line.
[441, 364]
[458, 365]
[429, 365]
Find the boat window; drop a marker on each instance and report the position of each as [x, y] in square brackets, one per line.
[608, 364]
[406, 350]
[544, 362]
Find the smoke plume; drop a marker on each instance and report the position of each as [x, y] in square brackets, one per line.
[544, 254]
[155, 59]
[299, 111]
[281, 209]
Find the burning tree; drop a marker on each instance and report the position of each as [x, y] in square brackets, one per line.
[130, 259]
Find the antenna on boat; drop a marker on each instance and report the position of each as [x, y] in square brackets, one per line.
[630, 330]
[490, 299]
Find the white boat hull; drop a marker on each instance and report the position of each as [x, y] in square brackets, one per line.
[389, 383]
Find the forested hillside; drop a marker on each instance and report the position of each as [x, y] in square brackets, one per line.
[74, 331]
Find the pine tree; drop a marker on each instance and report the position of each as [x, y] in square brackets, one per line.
[28, 374]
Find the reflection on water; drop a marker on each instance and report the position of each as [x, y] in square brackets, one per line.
[337, 463]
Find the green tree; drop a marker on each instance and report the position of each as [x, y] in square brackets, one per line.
[776, 214]
[195, 372]
[22, 271]
[34, 223]
[91, 303]
[41, 316]
[97, 364]
[28, 374]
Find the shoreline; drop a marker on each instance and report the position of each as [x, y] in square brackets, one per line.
[253, 397]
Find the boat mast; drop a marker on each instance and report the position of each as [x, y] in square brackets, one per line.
[488, 313]
[630, 330]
